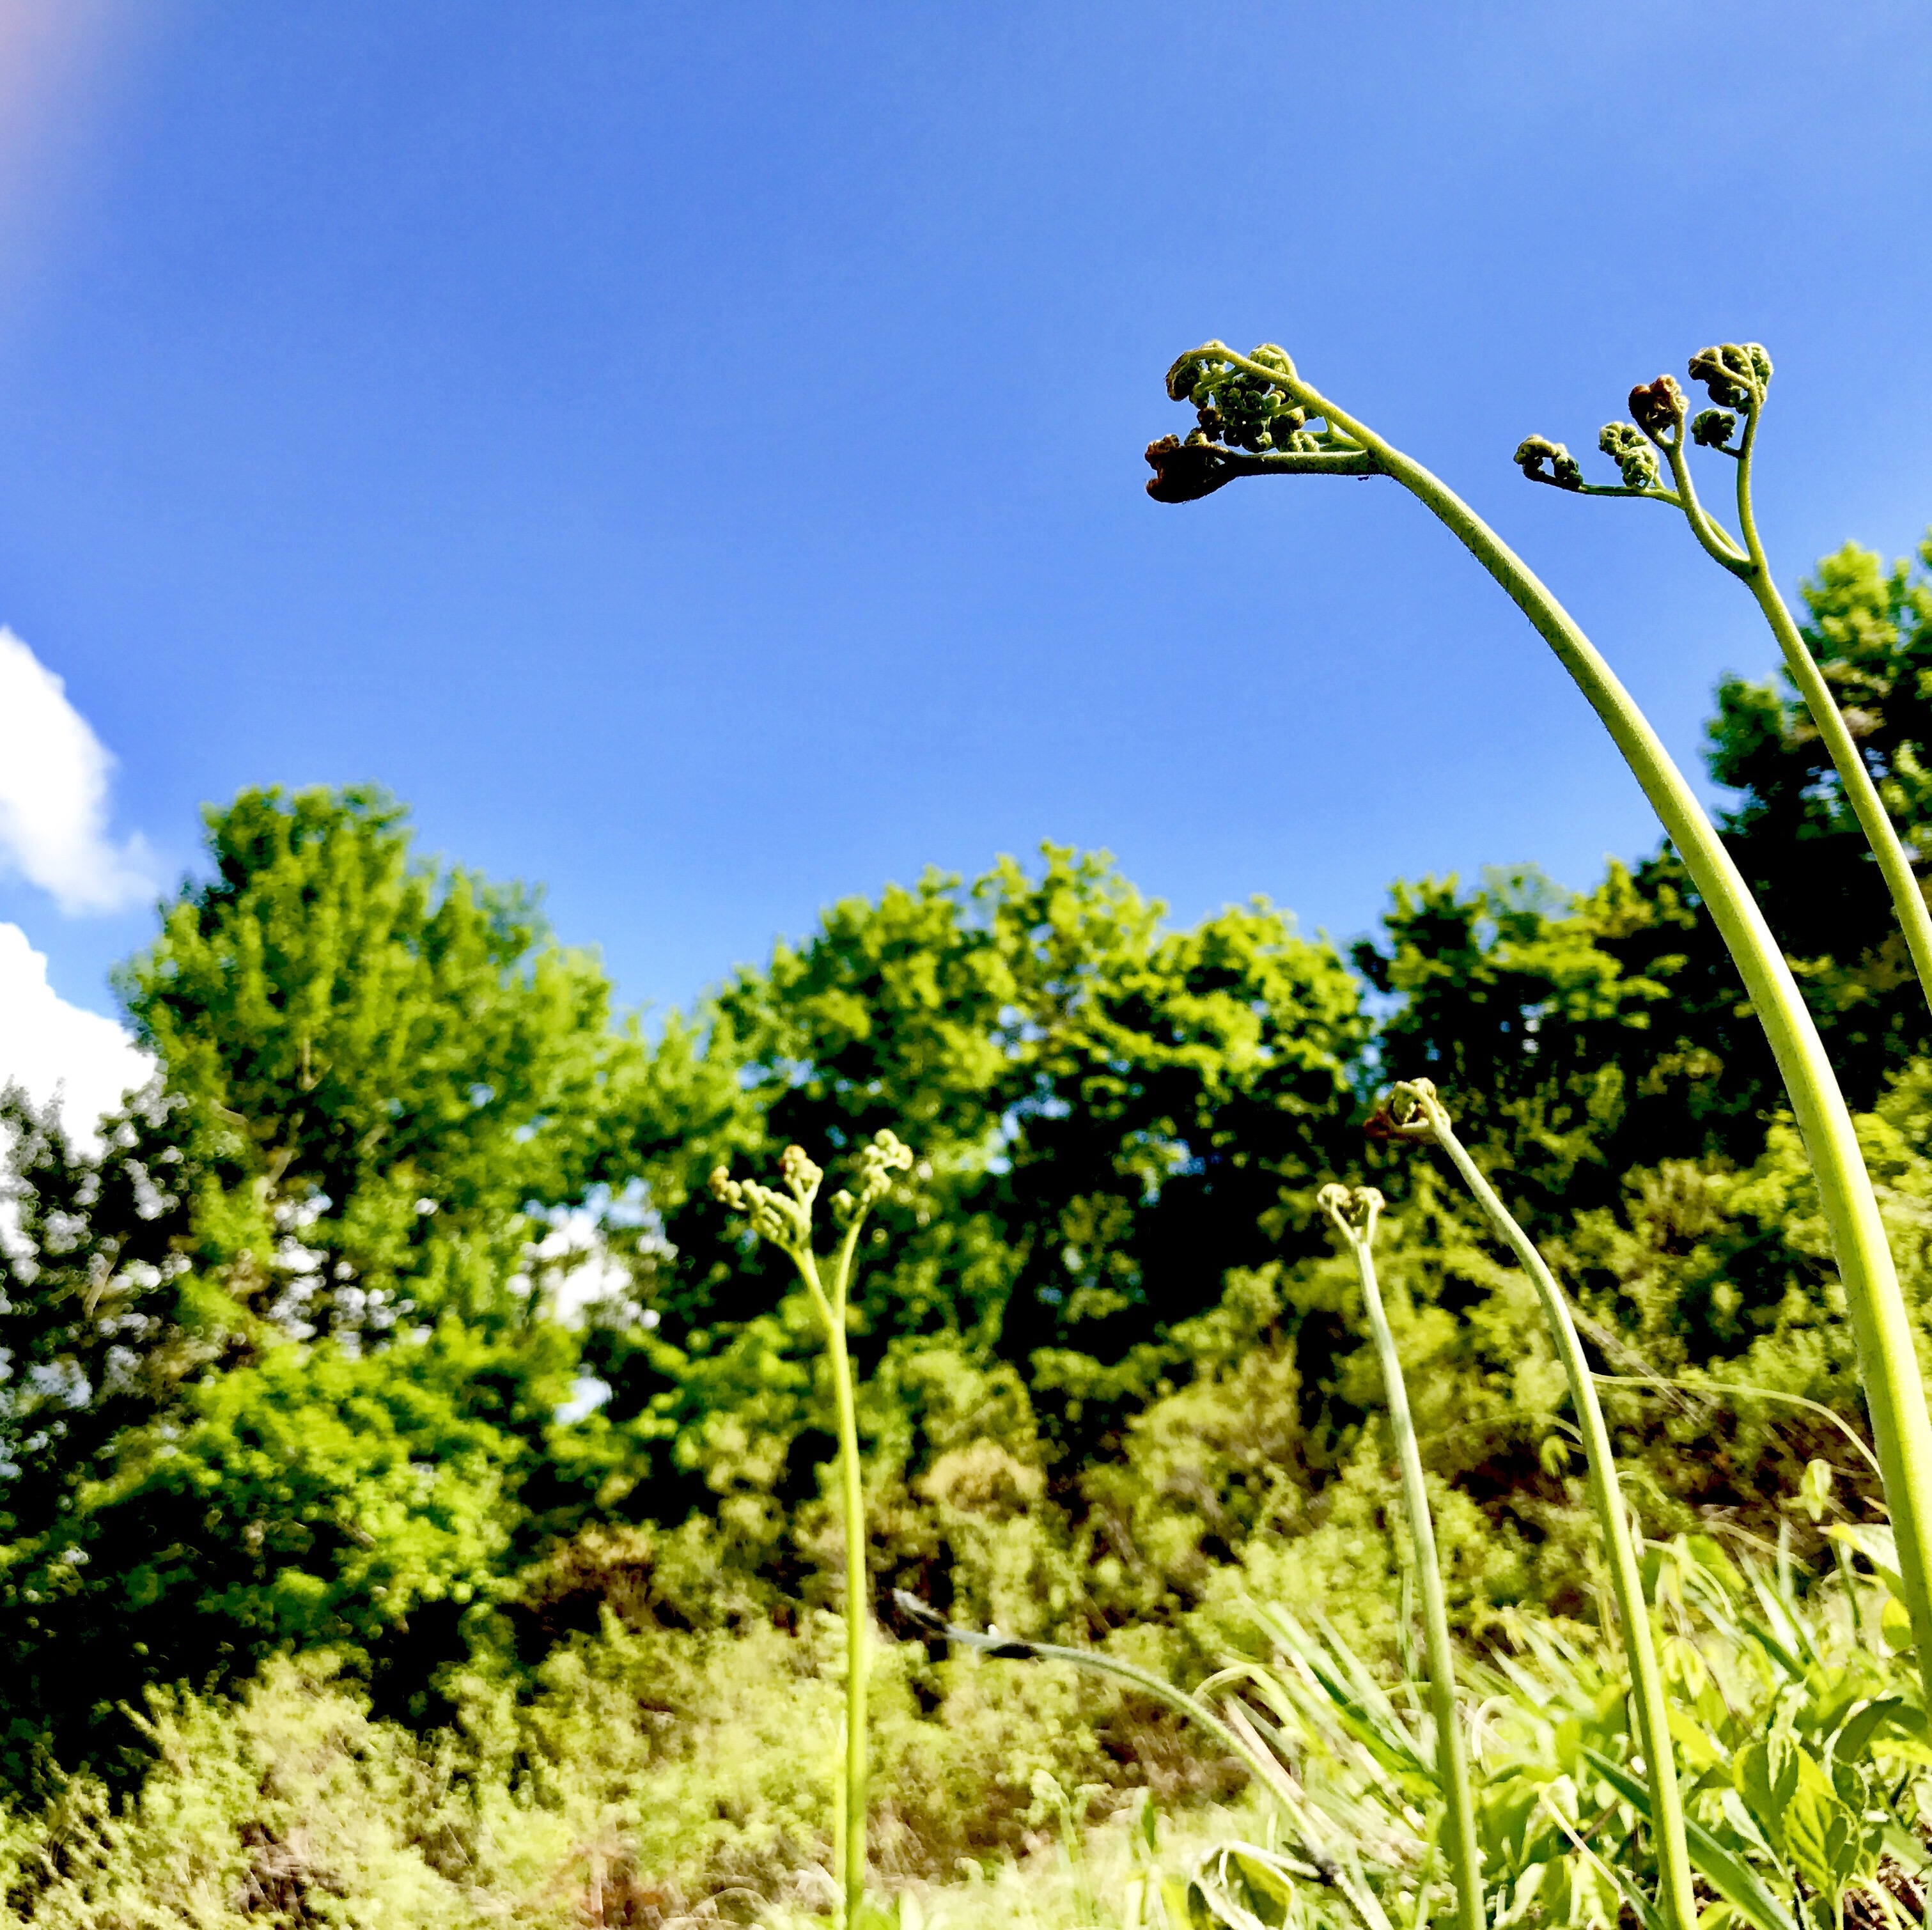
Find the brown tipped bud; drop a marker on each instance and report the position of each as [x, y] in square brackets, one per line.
[1186, 472]
[1405, 1113]
[1657, 407]
[1183, 377]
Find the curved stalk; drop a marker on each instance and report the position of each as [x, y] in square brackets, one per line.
[1430, 1120]
[1894, 866]
[1740, 376]
[1708, 1389]
[1334, 1858]
[1888, 1363]
[1716, 541]
[1354, 1216]
[1016, 1649]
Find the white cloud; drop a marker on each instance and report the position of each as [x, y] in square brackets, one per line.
[47, 1045]
[53, 793]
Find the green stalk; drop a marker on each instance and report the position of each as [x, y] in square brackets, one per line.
[849, 1839]
[1894, 1389]
[858, 1610]
[1018, 1649]
[1740, 374]
[1430, 1120]
[1894, 866]
[784, 1219]
[1452, 1754]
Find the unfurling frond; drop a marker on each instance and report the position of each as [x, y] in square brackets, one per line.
[1624, 444]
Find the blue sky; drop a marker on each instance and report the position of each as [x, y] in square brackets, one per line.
[692, 453]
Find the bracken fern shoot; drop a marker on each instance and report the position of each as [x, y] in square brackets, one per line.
[1414, 1112]
[1737, 377]
[1353, 1214]
[784, 1220]
[1259, 404]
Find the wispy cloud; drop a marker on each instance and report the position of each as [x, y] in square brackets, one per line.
[48, 1045]
[54, 774]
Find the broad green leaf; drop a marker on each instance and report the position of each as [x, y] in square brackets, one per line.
[1700, 1751]
[1817, 1826]
[1895, 1624]
[1852, 1743]
[1878, 1547]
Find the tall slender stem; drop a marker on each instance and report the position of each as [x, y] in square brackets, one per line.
[1889, 1364]
[784, 1218]
[1894, 866]
[858, 1595]
[858, 1592]
[1452, 1753]
[1653, 1710]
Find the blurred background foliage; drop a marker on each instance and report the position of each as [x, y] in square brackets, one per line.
[391, 1363]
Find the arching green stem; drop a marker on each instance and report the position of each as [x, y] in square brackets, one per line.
[1894, 866]
[1335, 1858]
[1740, 376]
[1354, 1216]
[1894, 1389]
[1429, 1121]
[1011, 1648]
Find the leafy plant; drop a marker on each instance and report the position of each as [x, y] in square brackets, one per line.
[1805, 1749]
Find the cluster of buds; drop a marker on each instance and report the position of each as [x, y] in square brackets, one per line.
[784, 1218]
[1237, 408]
[885, 1154]
[1543, 461]
[1353, 1210]
[1713, 428]
[1409, 1112]
[1736, 375]
[1626, 445]
[1658, 408]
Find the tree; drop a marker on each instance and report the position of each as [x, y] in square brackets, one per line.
[379, 1079]
[1111, 1115]
[398, 1067]
[1576, 1035]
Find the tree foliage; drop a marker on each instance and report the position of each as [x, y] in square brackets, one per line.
[299, 1359]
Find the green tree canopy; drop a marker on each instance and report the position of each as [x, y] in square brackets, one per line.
[390, 1063]
[1112, 1112]
[288, 1319]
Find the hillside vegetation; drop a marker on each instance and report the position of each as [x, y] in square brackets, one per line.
[417, 1496]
